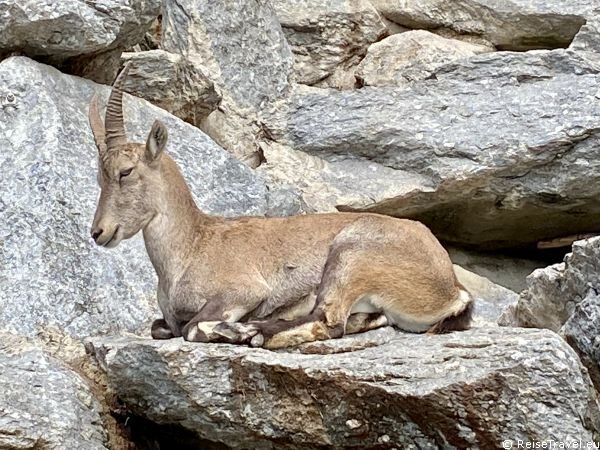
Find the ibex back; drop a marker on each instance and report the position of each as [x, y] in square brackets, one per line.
[271, 282]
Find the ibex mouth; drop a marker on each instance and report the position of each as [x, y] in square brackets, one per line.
[114, 239]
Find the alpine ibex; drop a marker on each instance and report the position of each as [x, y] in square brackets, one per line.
[273, 282]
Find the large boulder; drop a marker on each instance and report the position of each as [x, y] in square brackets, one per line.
[565, 298]
[402, 58]
[80, 36]
[50, 271]
[497, 140]
[240, 42]
[381, 389]
[44, 404]
[171, 82]
[508, 24]
[325, 34]
[243, 47]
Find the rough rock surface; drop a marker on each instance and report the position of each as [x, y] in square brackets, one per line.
[85, 37]
[508, 24]
[250, 77]
[44, 405]
[380, 389]
[257, 71]
[326, 185]
[499, 140]
[172, 83]
[491, 299]
[588, 38]
[565, 298]
[324, 34]
[50, 271]
[402, 58]
[509, 271]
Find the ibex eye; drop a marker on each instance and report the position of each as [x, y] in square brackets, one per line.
[124, 173]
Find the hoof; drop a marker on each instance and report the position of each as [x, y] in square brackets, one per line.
[192, 333]
[236, 332]
[160, 330]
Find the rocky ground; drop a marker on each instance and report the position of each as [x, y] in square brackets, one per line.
[481, 119]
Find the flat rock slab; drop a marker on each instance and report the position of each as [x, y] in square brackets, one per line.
[43, 404]
[382, 389]
[51, 273]
[508, 24]
[498, 140]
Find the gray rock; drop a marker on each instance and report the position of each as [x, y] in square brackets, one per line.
[380, 389]
[44, 405]
[553, 293]
[81, 36]
[565, 298]
[509, 271]
[241, 43]
[324, 185]
[51, 273]
[324, 34]
[498, 140]
[582, 332]
[588, 38]
[508, 24]
[403, 58]
[490, 299]
[172, 83]
[243, 47]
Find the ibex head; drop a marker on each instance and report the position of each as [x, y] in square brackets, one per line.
[128, 173]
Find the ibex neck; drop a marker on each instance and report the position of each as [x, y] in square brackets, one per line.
[176, 227]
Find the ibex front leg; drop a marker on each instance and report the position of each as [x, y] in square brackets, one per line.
[217, 311]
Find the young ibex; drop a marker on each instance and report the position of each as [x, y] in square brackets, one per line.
[271, 282]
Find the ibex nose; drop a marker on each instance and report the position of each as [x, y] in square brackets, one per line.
[96, 233]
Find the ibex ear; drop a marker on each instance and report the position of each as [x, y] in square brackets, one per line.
[156, 142]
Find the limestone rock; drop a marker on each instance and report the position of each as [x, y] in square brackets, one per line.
[553, 293]
[490, 299]
[383, 388]
[44, 404]
[325, 185]
[243, 47]
[581, 332]
[172, 83]
[509, 271]
[565, 298]
[588, 38]
[325, 33]
[402, 58]
[50, 270]
[84, 37]
[508, 24]
[240, 42]
[498, 140]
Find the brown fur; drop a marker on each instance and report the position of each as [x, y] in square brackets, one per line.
[215, 272]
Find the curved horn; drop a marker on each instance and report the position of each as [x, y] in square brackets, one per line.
[97, 125]
[115, 128]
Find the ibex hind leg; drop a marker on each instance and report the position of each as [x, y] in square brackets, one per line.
[336, 297]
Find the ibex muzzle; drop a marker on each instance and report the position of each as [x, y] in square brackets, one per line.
[290, 279]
